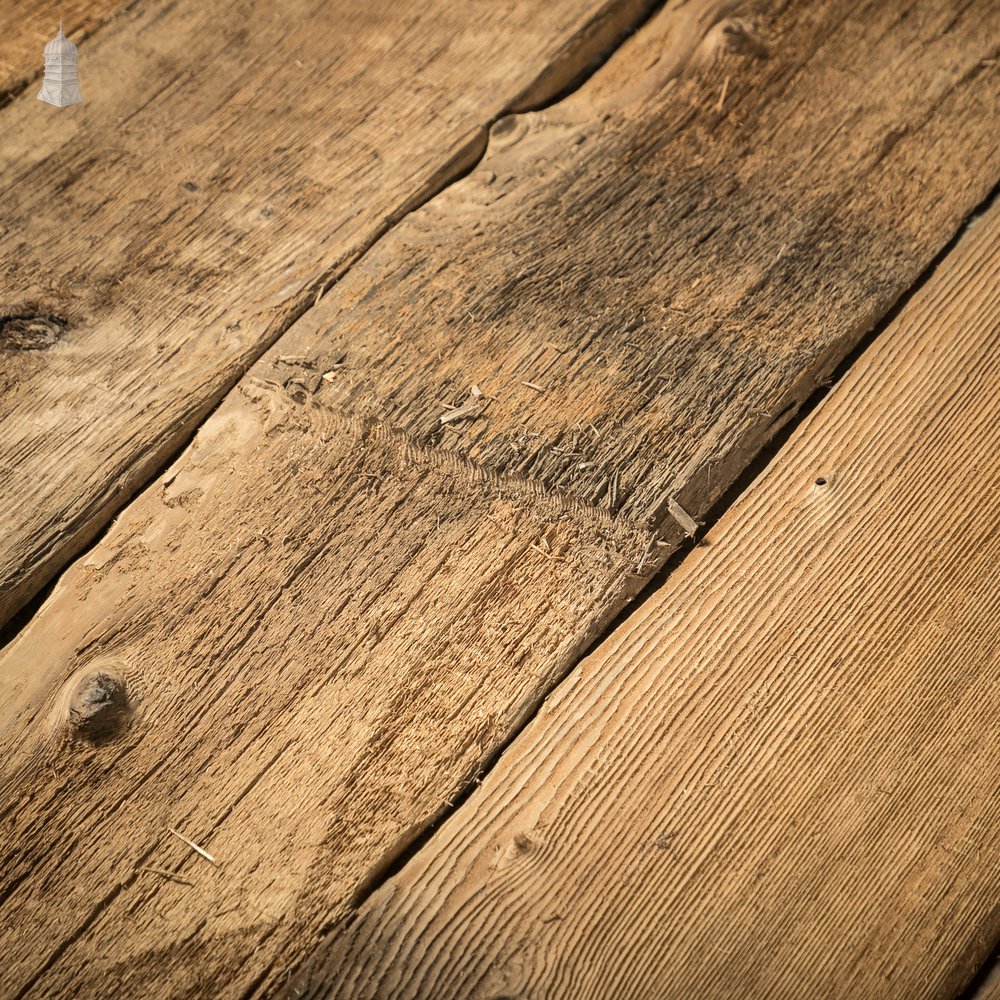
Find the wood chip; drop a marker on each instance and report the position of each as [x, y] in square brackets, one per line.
[532, 385]
[683, 518]
[469, 410]
[722, 96]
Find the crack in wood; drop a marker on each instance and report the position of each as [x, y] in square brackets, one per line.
[394, 862]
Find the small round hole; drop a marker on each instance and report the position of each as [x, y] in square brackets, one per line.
[821, 481]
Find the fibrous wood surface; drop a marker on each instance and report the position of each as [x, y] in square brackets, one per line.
[413, 514]
[643, 285]
[226, 163]
[778, 778]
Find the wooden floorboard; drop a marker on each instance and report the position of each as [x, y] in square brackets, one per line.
[335, 606]
[779, 777]
[225, 162]
[645, 286]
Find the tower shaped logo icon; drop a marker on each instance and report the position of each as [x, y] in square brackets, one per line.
[60, 86]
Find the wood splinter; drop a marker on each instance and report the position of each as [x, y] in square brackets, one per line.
[683, 518]
[192, 845]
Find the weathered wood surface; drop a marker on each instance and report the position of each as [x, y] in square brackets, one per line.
[674, 279]
[779, 777]
[26, 25]
[328, 619]
[323, 638]
[227, 161]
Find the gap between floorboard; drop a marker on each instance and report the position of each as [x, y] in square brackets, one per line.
[395, 864]
[535, 98]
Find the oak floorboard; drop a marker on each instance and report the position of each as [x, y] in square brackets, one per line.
[778, 778]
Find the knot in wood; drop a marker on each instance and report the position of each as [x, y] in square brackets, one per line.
[99, 708]
[29, 331]
[508, 130]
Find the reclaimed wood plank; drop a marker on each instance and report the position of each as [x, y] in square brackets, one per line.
[327, 620]
[645, 286]
[779, 777]
[226, 162]
[301, 606]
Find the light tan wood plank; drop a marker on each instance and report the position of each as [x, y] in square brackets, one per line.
[322, 631]
[779, 778]
[226, 162]
[26, 25]
[328, 620]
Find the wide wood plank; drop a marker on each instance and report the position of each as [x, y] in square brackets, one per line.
[322, 631]
[779, 777]
[297, 646]
[646, 279]
[25, 27]
[227, 162]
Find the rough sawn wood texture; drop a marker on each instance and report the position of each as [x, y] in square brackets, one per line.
[643, 286]
[227, 159]
[779, 777]
[327, 618]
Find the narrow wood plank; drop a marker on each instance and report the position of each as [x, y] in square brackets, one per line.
[226, 162]
[779, 777]
[26, 25]
[327, 621]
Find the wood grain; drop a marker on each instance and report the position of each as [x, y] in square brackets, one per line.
[227, 162]
[26, 25]
[644, 287]
[309, 635]
[323, 631]
[779, 777]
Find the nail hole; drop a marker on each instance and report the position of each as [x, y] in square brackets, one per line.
[821, 481]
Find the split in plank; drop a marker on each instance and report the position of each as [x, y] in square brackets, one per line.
[228, 162]
[328, 619]
[779, 777]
